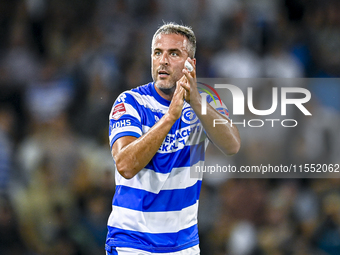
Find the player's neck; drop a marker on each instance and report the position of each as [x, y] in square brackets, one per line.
[167, 94]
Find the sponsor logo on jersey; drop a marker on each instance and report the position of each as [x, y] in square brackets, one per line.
[118, 111]
[177, 141]
[189, 116]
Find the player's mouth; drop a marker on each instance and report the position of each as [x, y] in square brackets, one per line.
[163, 74]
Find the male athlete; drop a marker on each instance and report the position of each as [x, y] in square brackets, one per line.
[155, 131]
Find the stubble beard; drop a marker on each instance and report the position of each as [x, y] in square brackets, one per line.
[167, 90]
[167, 87]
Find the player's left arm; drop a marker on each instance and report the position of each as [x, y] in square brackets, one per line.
[225, 136]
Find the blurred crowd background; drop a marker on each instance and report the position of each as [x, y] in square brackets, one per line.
[62, 65]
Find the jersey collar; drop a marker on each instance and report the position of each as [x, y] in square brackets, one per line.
[158, 97]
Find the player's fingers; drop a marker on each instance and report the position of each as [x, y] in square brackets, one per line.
[191, 80]
[191, 64]
[185, 85]
[179, 91]
[183, 79]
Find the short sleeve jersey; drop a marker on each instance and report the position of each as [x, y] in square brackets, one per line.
[156, 210]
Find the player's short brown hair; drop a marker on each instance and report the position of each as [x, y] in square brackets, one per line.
[173, 28]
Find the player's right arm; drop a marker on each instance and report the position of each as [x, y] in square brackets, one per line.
[132, 154]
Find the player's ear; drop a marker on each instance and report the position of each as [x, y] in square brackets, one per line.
[194, 59]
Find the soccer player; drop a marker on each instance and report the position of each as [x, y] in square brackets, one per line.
[155, 131]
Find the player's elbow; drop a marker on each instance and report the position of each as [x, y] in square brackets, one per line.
[125, 169]
[125, 173]
[234, 149]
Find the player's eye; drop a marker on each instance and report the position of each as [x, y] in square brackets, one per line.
[175, 54]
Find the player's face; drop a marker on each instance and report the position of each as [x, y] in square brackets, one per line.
[169, 53]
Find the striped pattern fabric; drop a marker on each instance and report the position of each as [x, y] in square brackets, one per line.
[156, 210]
[194, 250]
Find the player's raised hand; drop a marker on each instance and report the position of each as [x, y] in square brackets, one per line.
[189, 83]
[176, 105]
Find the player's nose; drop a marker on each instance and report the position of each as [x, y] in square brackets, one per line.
[164, 59]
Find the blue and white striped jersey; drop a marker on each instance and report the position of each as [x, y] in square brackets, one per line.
[156, 210]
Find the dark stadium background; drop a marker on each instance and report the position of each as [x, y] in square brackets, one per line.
[63, 63]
